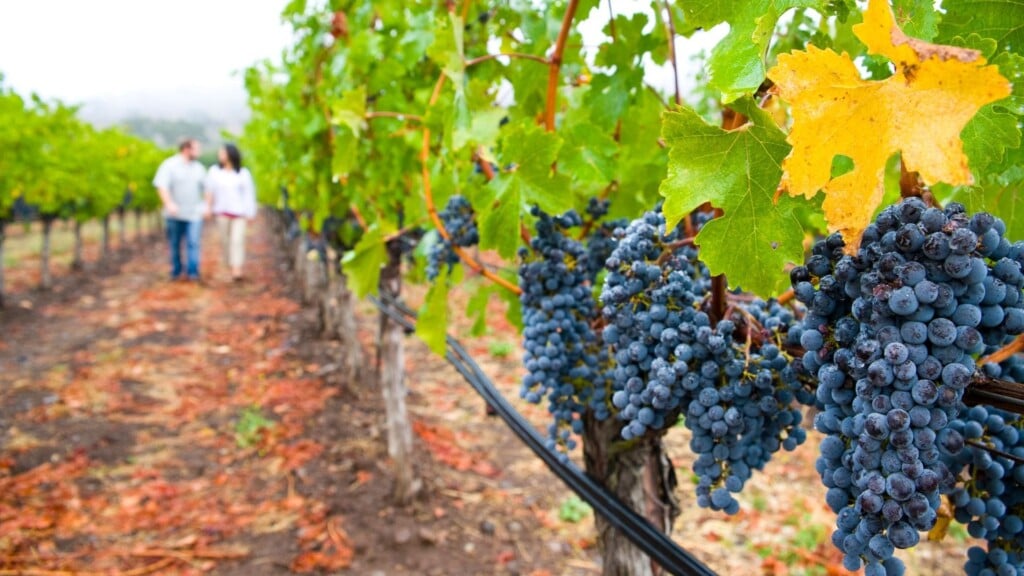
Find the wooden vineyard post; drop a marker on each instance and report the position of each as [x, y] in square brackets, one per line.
[391, 360]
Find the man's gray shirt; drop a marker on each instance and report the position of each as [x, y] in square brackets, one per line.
[183, 180]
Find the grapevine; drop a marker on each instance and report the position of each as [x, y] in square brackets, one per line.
[648, 274]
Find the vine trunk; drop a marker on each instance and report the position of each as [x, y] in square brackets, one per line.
[641, 476]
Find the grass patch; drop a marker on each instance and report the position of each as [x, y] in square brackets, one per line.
[573, 510]
[501, 349]
[250, 426]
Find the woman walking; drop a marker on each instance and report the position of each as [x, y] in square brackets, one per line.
[231, 198]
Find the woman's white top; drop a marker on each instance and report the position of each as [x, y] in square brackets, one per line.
[233, 192]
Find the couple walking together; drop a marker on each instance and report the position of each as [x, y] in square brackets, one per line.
[191, 194]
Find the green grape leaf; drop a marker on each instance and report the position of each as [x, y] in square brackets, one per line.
[987, 137]
[350, 110]
[476, 308]
[1001, 20]
[432, 326]
[1012, 67]
[737, 63]
[447, 49]
[608, 96]
[346, 154]
[737, 171]
[362, 264]
[588, 155]
[1002, 196]
[918, 18]
[527, 155]
[499, 223]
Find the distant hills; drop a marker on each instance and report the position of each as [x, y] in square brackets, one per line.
[167, 117]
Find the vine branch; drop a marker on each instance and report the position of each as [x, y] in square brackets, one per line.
[555, 63]
[1006, 352]
[520, 55]
[398, 115]
[670, 31]
[428, 194]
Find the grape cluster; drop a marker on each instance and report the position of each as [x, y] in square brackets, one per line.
[459, 220]
[562, 353]
[890, 334]
[601, 241]
[991, 503]
[669, 360]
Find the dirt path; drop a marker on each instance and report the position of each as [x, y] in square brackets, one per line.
[149, 427]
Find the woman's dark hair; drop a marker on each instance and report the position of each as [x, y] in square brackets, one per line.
[234, 156]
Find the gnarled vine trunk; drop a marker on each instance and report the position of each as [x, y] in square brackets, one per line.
[309, 271]
[105, 250]
[640, 475]
[391, 360]
[338, 321]
[3, 236]
[78, 260]
[45, 277]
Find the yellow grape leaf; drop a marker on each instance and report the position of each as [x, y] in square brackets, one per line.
[919, 111]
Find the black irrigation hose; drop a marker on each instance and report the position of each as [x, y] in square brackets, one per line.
[656, 544]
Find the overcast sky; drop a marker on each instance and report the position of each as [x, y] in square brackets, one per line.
[78, 50]
[91, 50]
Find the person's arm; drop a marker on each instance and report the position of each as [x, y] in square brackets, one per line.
[162, 181]
[208, 187]
[250, 196]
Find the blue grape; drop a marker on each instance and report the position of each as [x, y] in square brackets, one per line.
[459, 220]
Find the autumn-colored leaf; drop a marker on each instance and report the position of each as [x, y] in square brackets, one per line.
[919, 111]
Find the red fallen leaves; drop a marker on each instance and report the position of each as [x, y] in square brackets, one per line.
[444, 447]
[325, 544]
[296, 455]
[179, 365]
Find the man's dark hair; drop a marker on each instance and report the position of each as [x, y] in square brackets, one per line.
[234, 156]
[186, 143]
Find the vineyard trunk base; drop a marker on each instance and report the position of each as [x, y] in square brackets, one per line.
[641, 476]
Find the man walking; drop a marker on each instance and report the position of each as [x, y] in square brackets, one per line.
[179, 180]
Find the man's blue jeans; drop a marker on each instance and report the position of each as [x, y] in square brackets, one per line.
[190, 232]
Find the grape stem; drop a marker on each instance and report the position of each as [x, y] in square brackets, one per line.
[911, 186]
[404, 231]
[358, 216]
[995, 451]
[1005, 352]
[786, 297]
[671, 248]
